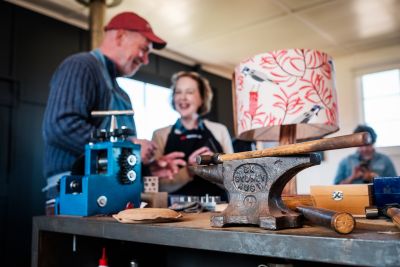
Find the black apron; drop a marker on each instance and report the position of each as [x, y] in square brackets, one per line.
[187, 141]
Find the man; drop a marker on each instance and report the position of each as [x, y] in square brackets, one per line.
[365, 164]
[86, 82]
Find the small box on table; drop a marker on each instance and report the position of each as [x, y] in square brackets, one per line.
[352, 198]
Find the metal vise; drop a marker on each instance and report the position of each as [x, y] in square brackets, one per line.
[255, 180]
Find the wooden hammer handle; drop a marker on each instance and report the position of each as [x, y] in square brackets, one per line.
[352, 140]
[394, 213]
[341, 222]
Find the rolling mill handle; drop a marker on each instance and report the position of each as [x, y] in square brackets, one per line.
[345, 141]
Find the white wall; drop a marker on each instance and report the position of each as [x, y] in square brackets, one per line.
[350, 112]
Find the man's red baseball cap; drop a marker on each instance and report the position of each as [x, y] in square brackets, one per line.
[133, 22]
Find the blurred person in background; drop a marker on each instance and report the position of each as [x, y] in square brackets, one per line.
[362, 166]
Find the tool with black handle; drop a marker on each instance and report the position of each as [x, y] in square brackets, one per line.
[341, 222]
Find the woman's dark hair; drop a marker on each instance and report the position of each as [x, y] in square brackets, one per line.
[204, 89]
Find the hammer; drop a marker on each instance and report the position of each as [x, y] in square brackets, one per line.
[391, 211]
[345, 141]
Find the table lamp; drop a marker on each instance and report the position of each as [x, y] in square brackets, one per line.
[287, 96]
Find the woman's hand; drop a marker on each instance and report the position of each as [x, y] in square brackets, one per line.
[167, 165]
[201, 151]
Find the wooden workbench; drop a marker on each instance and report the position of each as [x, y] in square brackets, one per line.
[77, 241]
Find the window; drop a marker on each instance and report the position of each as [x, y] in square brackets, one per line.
[151, 104]
[381, 102]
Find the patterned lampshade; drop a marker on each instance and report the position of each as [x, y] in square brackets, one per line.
[285, 87]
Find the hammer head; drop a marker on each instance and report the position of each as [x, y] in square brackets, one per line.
[384, 210]
[374, 212]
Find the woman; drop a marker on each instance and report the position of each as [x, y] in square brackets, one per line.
[191, 134]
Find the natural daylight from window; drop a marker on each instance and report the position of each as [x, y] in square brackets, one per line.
[381, 100]
[151, 104]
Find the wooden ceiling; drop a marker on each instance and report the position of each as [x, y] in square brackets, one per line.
[218, 34]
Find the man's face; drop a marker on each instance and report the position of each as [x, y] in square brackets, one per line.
[366, 152]
[134, 51]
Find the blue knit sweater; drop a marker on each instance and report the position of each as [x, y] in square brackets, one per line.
[77, 88]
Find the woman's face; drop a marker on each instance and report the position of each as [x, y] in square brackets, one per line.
[187, 98]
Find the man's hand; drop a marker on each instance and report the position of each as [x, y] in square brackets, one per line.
[201, 151]
[369, 176]
[167, 165]
[358, 172]
[147, 149]
[355, 174]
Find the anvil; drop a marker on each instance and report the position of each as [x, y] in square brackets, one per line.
[255, 180]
